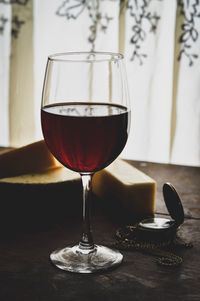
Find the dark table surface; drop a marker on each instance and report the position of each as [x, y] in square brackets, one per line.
[27, 274]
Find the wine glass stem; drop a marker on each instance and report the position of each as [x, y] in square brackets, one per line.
[86, 242]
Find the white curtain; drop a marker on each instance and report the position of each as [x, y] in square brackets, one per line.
[160, 41]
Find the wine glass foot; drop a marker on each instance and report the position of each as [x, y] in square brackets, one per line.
[74, 259]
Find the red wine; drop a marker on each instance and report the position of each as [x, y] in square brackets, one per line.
[85, 137]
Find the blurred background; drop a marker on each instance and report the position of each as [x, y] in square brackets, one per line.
[161, 44]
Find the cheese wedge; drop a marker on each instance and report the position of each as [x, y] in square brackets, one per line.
[127, 187]
[39, 200]
[32, 158]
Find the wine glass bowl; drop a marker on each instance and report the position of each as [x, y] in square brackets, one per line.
[85, 118]
[85, 137]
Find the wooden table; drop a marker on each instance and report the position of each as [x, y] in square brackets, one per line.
[26, 273]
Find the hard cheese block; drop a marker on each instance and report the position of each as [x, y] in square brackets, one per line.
[39, 199]
[127, 187]
[31, 158]
[31, 173]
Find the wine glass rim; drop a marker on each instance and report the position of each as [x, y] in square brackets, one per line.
[81, 56]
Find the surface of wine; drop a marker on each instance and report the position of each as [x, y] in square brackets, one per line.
[85, 137]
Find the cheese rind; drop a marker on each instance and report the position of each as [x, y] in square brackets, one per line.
[133, 189]
[51, 176]
[32, 158]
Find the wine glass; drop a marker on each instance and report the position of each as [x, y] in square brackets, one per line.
[85, 118]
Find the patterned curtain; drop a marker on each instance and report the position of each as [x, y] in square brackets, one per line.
[161, 44]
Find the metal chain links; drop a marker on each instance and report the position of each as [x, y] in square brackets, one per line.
[163, 251]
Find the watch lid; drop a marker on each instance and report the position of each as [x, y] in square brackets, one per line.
[173, 203]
